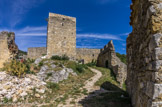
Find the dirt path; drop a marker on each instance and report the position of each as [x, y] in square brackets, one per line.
[90, 87]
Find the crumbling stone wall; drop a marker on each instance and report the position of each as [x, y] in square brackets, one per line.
[61, 37]
[8, 48]
[108, 59]
[144, 54]
[36, 52]
[88, 55]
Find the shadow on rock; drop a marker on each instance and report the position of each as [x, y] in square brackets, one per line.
[110, 96]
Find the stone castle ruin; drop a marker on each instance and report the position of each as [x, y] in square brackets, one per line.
[61, 40]
[144, 54]
[108, 59]
[8, 48]
[87, 55]
[61, 35]
[34, 53]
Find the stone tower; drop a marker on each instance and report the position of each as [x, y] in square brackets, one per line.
[61, 35]
[144, 54]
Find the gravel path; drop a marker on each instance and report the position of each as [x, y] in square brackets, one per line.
[90, 87]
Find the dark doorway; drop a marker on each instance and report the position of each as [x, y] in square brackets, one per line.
[107, 64]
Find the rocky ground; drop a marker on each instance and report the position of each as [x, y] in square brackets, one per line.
[60, 84]
[15, 89]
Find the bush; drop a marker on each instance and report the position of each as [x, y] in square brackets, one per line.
[16, 68]
[40, 64]
[122, 57]
[53, 86]
[64, 57]
[78, 68]
[56, 57]
[93, 63]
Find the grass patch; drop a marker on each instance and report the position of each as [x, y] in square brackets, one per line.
[107, 75]
[53, 86]
[78, 68]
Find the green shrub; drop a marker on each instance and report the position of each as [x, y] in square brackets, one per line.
[64, 57]
[93, 63]
[40, 64]
[56, 57]
[78, 68]
[53, 86]
[16, 68]
[122, 57]
[44, 54]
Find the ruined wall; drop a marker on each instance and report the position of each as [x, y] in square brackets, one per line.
[61, 37]
[87, 54]
[144, 54]
[108, 59]
[8, 48]
[36, 52]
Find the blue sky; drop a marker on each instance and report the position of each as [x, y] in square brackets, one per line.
[98, 21]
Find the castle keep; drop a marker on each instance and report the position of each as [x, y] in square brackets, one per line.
[144, 54]
[61, 35]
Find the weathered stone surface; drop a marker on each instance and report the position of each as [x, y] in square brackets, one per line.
[8, 48]
[17, 88]
[53, 73]
[107, 58]
[61, 35]
[36, 52]
[87, 55]
[144, 54]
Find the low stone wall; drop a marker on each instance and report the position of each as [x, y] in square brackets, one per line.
[108, 59]
[144, 54]
[36, 52]
[87, 54]
[8, 48]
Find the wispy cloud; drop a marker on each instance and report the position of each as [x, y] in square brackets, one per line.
[99, 36]
[16, 10]
[106, 1]
[124, 34]
[32, 31]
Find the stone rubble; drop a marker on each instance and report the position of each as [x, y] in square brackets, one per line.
[48, 74]
[17, 88]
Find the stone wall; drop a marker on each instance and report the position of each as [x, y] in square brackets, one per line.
[144, 54]
[87, 54]
[61, 37]
[36, 52]
[8, 48]
[108, 59]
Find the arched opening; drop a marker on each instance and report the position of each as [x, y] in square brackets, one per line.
[107, 64]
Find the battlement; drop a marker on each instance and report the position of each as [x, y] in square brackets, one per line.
[108, 47]
[62, 16]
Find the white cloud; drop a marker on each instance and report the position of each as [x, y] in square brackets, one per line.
[90, 47]
[99, 36]
[124, 34]
[106, 1]
[29, 31]
[15, 10]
